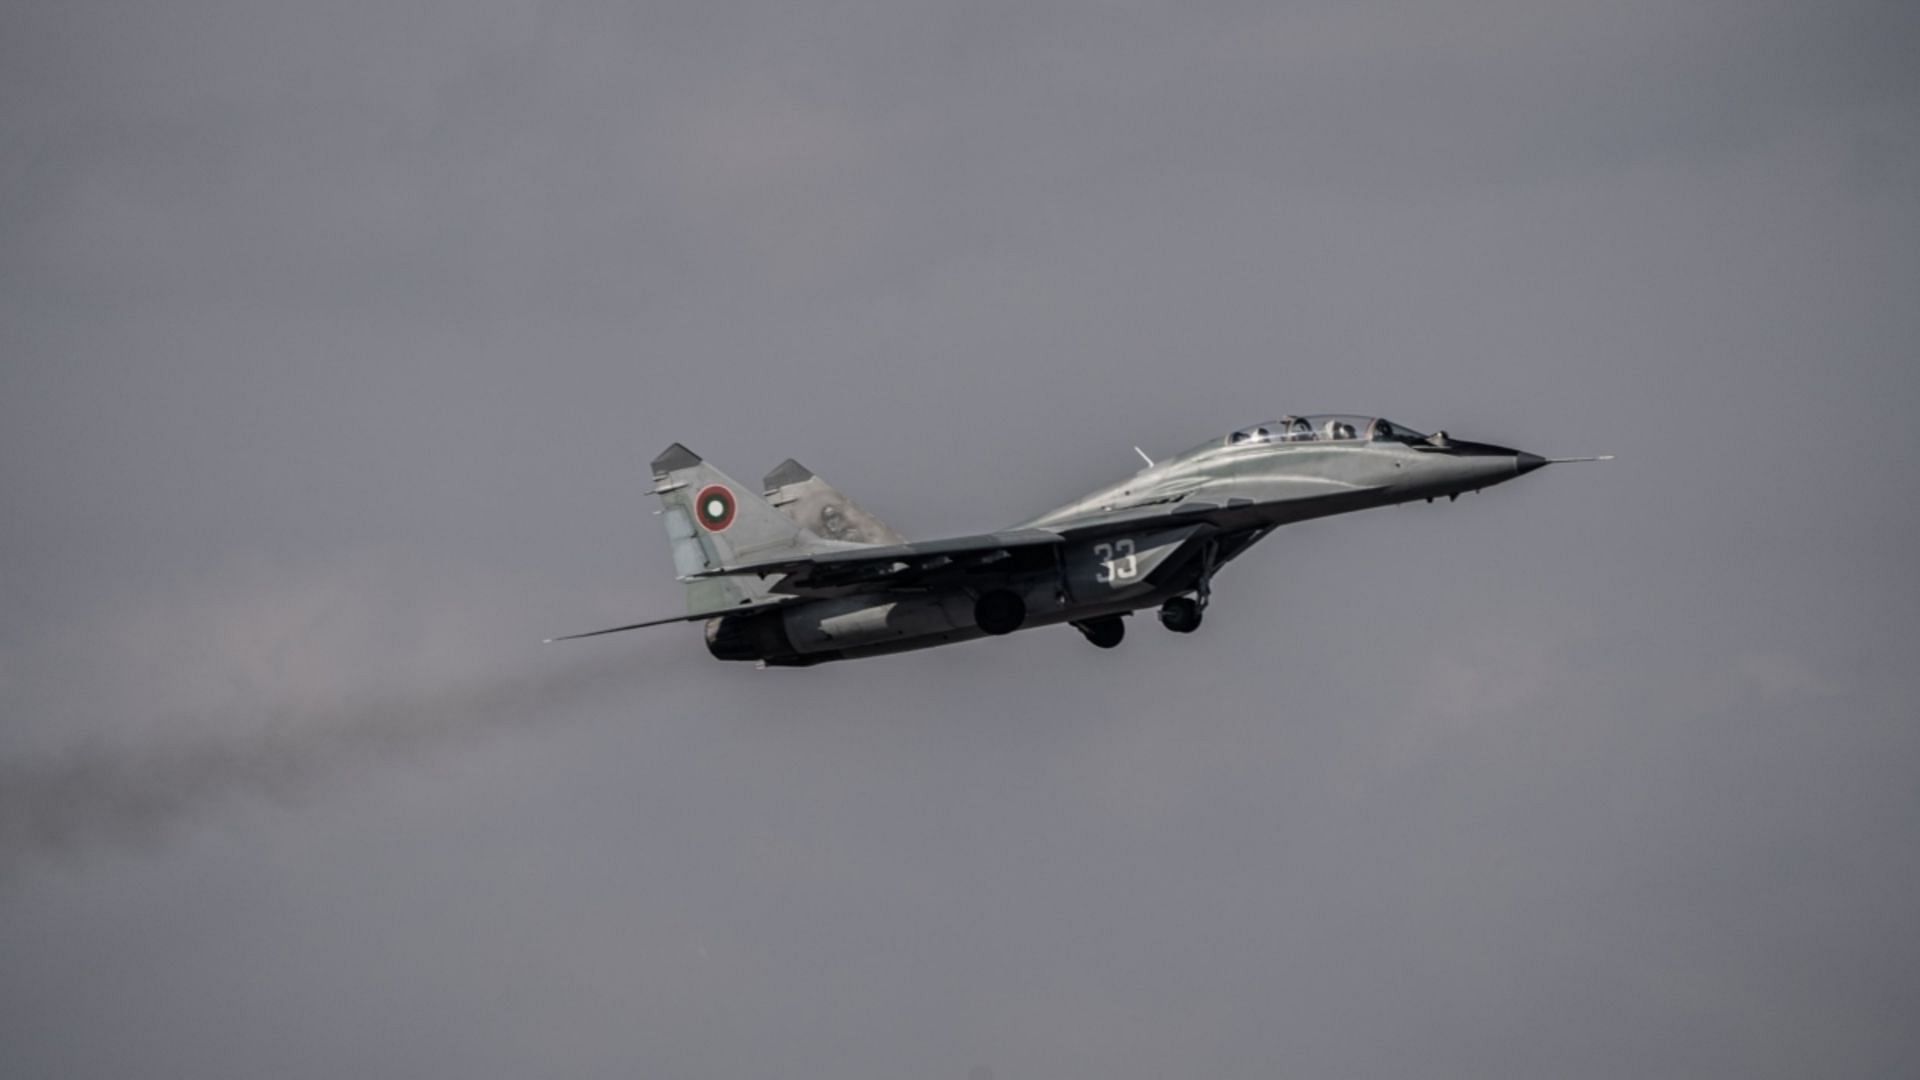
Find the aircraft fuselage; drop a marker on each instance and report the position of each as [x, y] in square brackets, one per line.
[1154, 540]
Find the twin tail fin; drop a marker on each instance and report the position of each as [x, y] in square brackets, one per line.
[820, 509]
[714, 522]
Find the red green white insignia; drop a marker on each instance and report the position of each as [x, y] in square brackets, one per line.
[714, 506]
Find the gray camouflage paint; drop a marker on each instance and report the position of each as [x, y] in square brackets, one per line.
[820, 509]
[335, 340]
[822, 580]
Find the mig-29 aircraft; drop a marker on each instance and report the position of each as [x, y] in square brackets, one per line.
[803, 575]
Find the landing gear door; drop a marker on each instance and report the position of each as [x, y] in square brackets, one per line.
[1128, 563]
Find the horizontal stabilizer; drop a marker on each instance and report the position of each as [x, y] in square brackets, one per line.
[629, 626]
[659, 622]
[893, 566]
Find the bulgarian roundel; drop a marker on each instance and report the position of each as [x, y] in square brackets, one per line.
[714, 506]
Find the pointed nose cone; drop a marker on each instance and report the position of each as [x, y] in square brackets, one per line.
[1524, 463]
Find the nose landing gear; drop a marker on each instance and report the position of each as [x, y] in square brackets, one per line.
[1182, 613]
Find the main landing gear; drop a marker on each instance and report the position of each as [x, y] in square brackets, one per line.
[1104, 632]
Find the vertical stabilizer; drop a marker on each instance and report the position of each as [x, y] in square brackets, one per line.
[713, 523]
[817, 507]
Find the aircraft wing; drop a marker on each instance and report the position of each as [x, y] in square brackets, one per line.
[941, 562]
[899, 565]
[1262, 506]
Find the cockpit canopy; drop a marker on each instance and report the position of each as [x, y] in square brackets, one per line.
[1325, 427]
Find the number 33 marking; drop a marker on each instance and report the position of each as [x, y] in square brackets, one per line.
[1117, 563]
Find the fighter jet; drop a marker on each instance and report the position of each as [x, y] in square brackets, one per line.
[801, 575]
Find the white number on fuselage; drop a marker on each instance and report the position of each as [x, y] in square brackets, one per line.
[1117, 563]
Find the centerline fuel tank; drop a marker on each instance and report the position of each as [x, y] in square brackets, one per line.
[1092, 577]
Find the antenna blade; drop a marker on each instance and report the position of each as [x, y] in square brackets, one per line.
[1144, 457]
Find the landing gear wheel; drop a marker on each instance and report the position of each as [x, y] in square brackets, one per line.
[1104, 632]
[1180, 615]
[999, 612]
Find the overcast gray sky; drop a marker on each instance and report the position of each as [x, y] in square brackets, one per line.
[335, 338]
